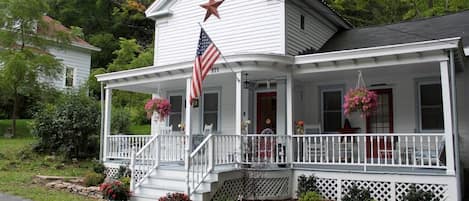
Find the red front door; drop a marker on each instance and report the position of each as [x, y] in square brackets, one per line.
[381, 121]
[266, 111]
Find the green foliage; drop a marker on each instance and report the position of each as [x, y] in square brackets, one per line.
[128, 51]
[306, 184]
[356, 194]
[71, 127]
[93, 179]
[420, 195]
[125, 181]
[310, 196]
[115, 191]
[99, 168]
[376, 12]
[120, 121]
[123, 171]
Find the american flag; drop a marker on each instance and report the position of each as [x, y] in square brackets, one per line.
[207, 55]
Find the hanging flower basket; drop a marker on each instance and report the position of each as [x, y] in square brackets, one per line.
[360, 99]
[159, 105]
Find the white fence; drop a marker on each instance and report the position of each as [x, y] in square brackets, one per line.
[120, 146]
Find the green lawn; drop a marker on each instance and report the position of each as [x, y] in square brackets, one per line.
[22, 128]
[18, 164]
[140, 129]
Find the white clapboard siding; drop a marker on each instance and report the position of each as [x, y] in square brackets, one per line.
[77, 59]
[317, 29]
[247, 26]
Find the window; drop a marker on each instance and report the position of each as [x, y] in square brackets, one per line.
[175, 116]
[430, 106]
[69, 74]
[211, 110]
[302, 22]
[331, 107]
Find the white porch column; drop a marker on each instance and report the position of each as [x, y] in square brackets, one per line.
[107, 121]
[447, 116]
[188, 132]
[289, 111]
[238, 115]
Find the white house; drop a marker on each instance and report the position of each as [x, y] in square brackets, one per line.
[286, 61]
[76, 57]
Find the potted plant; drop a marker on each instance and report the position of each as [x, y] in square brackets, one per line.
[114, 191]
[160, 106]
[300, 127]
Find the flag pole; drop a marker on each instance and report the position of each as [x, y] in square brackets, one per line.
[221, 53]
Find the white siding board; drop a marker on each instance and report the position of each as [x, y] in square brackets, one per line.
[246, 27]
[317, 29]
[80, 61]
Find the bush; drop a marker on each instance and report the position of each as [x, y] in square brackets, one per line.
[114, 191]
[125, 181]
[138, 116]
[356, 194]
[175, 197]
[306, 184]
[120, 121]
[123, 171]
[310, 196]
[99, 168]
[70, 127]
[419, 195]
[93, 179]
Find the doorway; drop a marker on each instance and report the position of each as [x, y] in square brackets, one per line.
[266, 112]
[381, 121]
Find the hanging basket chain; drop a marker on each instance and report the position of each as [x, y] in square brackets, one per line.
[360, 81]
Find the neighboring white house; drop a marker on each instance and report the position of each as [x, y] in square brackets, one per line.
[76, 57]
[293, 60]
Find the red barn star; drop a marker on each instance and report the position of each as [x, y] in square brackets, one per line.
[212, 8]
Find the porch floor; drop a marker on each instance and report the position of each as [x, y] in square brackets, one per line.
[324, 168]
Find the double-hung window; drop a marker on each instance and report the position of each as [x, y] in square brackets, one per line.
[175, 116]
[331, 109]
[69, 76]
[430, 108]
[211, 109]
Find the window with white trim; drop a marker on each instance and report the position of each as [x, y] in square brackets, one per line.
[331, 109]
[211, 109]
[430, 106]
[69, 76]
[175, 116]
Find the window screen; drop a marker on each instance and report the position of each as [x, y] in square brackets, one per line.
[431, 107]
[332, 110]
[211, 112]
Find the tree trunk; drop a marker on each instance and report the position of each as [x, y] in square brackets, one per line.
[15, 114]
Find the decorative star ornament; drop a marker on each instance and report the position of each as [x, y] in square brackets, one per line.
[212, 8]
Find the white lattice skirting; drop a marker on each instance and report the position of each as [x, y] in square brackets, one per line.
[383, 187]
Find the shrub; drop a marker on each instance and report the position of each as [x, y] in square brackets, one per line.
[357, 194]
[93, 179]
[175, 197]
[99, 168]
[120, 121]
[123, 171]
[125, 181]
[70, 127]
[420, 195]
[114, 191]
[310, 196]
[306, 184]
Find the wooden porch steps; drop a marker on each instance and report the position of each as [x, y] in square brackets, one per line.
[169, 180]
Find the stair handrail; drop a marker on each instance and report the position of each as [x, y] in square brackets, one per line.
[149, 161]
[195, 179]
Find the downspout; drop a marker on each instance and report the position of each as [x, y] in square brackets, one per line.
[455, 124]
[101, 131]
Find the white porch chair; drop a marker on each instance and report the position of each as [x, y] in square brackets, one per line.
[314, 147]
[208, 129]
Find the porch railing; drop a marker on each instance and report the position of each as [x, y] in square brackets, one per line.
[144, 161]
[264, 149]
[394, 150]
[120, 146]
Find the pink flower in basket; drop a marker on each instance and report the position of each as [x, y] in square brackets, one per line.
[361, 100]
[158, 105]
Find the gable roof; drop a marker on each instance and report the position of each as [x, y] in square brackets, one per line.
[54, 26]
[448, 26]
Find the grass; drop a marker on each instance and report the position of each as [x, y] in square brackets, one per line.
[140, 129]
[22, 128]
[18, 164]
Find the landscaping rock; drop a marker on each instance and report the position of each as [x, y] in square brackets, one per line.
[69, 184]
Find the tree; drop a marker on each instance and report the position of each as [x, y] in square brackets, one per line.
[24, 57]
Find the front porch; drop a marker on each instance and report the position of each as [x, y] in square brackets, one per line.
[410, 137]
